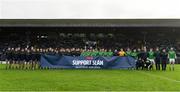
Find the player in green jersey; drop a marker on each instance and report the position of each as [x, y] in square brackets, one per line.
[94, 53]
[128, 52]
[101, 52]
[83, 53]
[109, 53]
[105, 53]
[134, 54]
[151, 57]
[86, 53]
[172, 57]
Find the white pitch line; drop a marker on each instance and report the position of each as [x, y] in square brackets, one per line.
[159, 77]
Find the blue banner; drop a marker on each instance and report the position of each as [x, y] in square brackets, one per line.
[115, 62]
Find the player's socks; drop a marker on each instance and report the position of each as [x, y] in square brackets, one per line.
[170, 68]
[173, 68]
[149, 67]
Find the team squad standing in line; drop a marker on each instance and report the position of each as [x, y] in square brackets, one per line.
[28, 58]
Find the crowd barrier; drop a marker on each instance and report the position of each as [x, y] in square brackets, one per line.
[80, 62]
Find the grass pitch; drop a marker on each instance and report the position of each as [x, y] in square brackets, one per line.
[89, 80]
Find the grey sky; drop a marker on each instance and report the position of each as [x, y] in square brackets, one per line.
[89, 9]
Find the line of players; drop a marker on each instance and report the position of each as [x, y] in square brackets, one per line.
[144, 59]
[22, 58]
[147, 59]
[28, 58]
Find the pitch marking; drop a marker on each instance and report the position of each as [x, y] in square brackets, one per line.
[160, 77]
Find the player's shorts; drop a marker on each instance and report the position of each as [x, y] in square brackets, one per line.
[26, 62]
[7, 62]
[152, 61]
[171, 60]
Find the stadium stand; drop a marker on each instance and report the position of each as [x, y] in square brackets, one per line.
[65, 36]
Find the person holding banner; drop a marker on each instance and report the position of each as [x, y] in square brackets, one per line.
[83, 53]
[101, 52]
[134, 54]
[110, 53]
[139, 59]
[94, 53]
[128, 52]
[121, 53]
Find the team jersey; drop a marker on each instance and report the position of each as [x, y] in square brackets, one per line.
[164, 56]
[121, 53]
[134, 55]
[83, 54]
[105, 54]
[101, 53]
[86, 53]
[109, 53]
[151, 55]
[94, 53]
[128, 53]
[8, 55]
[172, 54]
[22, 56]
[157, 54]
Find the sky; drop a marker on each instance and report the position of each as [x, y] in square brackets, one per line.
[89, 9]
